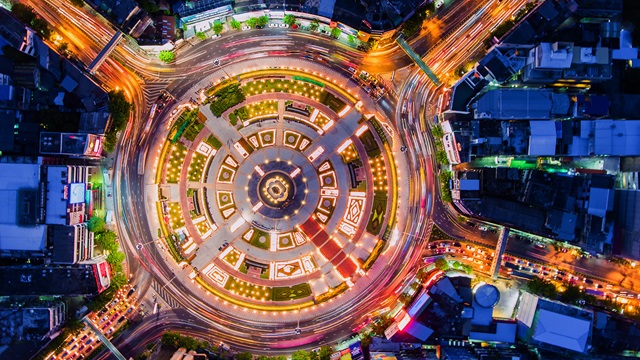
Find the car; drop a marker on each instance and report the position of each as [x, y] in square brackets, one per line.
[540, 245]
[456, 244]
[564, 250]
[284, 25]
[130, 310]
[450, 250]
[215, 36]
[110, 331]
[588, 281]
[74, 347]
[115, 316]
[81, 348]
[122, 318]
[480, 251]
[246, 28]
[89, 349]
[469, 247]
[88, 342]
[273, 25]
[224, 346]
[483, 228]
[352, 70]
[84, 337]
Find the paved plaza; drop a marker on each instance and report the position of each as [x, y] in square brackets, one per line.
[285, 198]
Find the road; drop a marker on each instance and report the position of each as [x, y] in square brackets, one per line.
[449, 40]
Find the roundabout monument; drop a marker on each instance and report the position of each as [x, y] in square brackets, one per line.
[278, 199]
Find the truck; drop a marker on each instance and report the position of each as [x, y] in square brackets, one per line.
[512, 266]
[595, 292]
[522, 275]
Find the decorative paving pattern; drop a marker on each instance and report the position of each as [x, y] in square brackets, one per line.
[264, 183]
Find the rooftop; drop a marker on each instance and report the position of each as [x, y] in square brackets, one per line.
[47, 281]
[20, 213]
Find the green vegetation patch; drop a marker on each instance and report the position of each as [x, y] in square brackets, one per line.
[302, 88]
[248, 290]
[174, 165]
[198, 162]
[370, 144]
[175, 215]
[331, 293]
[214, 142]
[377, 250]
[332, 102]
[298, 291]
[260, 239]
[374, 225]
[226, 98]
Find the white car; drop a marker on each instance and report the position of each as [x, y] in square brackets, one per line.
[215, 36]
[246, 28]
[284, 25]
[273, 25]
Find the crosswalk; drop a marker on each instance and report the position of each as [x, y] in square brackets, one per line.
[165, 295]
[152, 90]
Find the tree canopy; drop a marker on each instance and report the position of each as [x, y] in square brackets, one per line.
[314, 25]
[542, 287]
[28, 16]
[166, 56]
[96, 224]
[289, 19]
[217, 28]
[235, 24]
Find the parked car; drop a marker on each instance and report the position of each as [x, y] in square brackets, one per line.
[273, 25]
[246, 28]
[284, 25]
[215, 36]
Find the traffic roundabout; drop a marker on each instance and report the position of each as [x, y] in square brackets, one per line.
[277, 192]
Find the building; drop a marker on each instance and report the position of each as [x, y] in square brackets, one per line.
[563, 62]
[26, 326]
[553, 325]
[46, 212]
[71, 144]
[87, 279]
[521, 104]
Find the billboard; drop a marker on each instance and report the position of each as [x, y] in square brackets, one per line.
[77, 193]
[391, 330]
[356, 351]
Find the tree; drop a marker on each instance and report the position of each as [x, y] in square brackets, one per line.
[96, 224]
[235, 24]
[352, 39]
[109, 143]
[365, 340]
[243, 356]
[441, 157]
[300, 355]
[314, 25]
[200, 35]
[405, 298]
[289, 19]
[107, 240]
[442, 264]
[28, 16]
[542, 287]
[378, 327]
[436, 131]
[115, 257]
[217, 28]
[262, 20]
[77, 3]
[166, 56]
[313, 355]
[119, 108]
[335, 32]
[325, 352]
[252, 22]
[118, 280]
[571, 294]
[62, 48]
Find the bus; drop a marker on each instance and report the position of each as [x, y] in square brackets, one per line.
[522, 275]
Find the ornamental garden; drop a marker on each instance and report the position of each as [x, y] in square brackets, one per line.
[276, 189]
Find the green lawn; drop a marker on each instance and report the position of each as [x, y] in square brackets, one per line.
[332, 102]
[192, 131]
[294, 292]
[176, 160]
[214, 142]
[302, 88]
[198, 161]
[175, 215]
[248, 290]
[255, 239]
